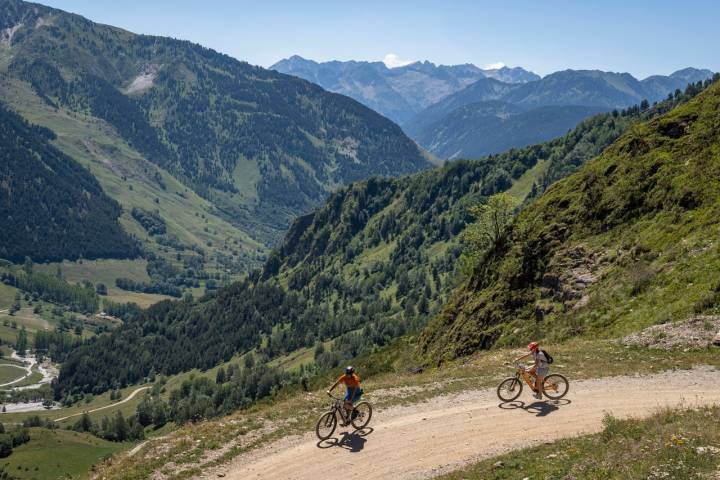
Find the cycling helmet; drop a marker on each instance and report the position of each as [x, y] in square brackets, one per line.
[532, 346]
[349, 370]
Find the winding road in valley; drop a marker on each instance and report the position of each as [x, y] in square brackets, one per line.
[447, 432]
[127, 399]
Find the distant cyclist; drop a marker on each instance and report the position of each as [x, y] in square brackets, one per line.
[540, 369]
[353, 391]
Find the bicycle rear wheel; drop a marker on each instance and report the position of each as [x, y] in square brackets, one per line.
[361, 415]
[555, 386]
[326, 425]
[509, 389]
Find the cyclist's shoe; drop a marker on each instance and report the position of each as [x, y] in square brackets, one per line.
[538, 395]
[353, 415]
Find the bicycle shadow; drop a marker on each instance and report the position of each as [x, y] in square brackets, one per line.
[539, 408]
[351, 441]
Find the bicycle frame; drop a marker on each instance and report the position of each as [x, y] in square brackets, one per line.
[339, 408]
[526, 375]
[530, 379]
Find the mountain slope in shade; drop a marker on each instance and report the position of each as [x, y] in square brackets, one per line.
[485, 128]
[397, 93]
[52, 208]
[483, 90]
[263, 147]
[437, 128]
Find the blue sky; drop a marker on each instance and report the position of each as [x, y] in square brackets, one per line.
[640, 37]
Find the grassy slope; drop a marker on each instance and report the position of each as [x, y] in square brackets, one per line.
[58, 454]
[8, 373]
[522, 187]
[96, 145]
[646, 210]
[44, 320]
[663, 446]
[106, 271]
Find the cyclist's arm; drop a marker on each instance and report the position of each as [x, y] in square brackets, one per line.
[333, 386]
[522, 357]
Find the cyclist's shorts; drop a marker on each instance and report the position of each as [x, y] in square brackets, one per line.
[349, 392]
[542, 371]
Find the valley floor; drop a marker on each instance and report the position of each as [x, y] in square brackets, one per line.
[447, 432]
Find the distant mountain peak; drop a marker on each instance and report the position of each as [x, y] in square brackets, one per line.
[692, 74]
[396, 87]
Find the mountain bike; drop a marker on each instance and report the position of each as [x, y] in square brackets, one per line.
[555, 386]
[359, 417]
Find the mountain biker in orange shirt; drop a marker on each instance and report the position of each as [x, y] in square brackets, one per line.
[353, 391]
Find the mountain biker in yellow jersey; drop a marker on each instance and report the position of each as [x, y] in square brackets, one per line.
[353, 391]
[540, 369]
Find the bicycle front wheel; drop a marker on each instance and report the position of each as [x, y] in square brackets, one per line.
[555, 386]
[509, 389]
[361, 415]
[326, 425]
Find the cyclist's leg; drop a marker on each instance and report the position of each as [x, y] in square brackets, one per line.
[539, 384]
[347, 403]
[541, 374]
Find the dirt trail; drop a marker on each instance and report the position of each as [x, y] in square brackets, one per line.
[447, 432]
[127, 399]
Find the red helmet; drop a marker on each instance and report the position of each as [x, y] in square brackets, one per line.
[532, 346]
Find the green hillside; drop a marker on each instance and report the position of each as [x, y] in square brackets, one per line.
[259, 147]
[194, 226]
[373, 264]
[624, 243]
[52, 208]
[72, 455]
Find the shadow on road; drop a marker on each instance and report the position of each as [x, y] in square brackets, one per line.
[538, 408]
[350, 441]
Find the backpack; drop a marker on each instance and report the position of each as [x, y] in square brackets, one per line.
[548, 357]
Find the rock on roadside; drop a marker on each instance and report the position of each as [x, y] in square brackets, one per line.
[695, 332]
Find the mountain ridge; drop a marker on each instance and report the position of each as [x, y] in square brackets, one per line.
[397, 92]
[568, 88]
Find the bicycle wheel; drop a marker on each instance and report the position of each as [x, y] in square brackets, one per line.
[326, 425]
[363, 415]
[509, 389]
[555, 386]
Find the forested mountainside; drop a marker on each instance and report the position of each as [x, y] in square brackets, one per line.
[484, 90]
[458, 126]
[398, 93]
[485, 128]
[52, 208]
[375, 262]
[599, 252]
[263, 147]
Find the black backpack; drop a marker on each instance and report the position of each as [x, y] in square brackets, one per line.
[548, 357]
